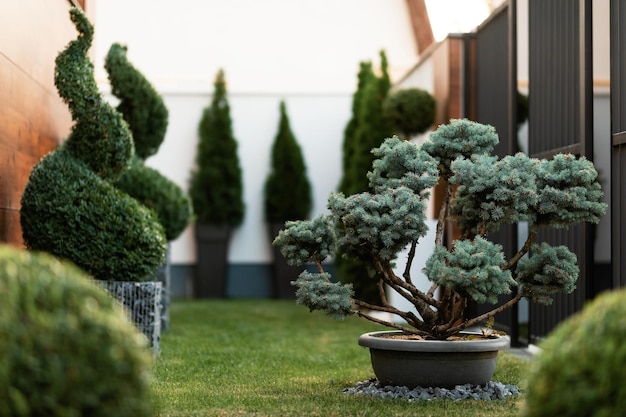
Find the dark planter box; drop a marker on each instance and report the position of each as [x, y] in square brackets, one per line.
[283, 273]
[212, 261]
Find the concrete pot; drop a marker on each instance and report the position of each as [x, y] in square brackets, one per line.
[432, 363]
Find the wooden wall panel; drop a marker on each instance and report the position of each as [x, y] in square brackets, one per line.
[33, 119]
[420, 22]
[441, 89]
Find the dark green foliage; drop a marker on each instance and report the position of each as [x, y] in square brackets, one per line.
[410, 111]
[105, 146]
[140, 104]
[170, 202]
[287, 188]
[66, 347]
[69, 207]
[370, 131]
[147, 117]
[522, 109]
[349, 139]
[366, 130]
[68, 211]
[580, 369]
[216, 186]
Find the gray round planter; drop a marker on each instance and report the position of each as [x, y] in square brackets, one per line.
[432, 363]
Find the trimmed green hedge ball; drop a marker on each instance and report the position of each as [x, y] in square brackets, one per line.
[580, 371]
[66, 347]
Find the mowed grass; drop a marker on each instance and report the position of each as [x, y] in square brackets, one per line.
[274, 358]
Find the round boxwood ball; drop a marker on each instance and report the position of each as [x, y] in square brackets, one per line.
[66, 347]
[580, 371]
[411, 110]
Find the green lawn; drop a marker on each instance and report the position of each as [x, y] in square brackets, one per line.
[274, 358]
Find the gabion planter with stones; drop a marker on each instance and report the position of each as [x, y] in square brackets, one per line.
[142, 301]
[163, 276]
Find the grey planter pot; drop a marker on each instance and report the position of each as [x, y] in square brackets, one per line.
[432, 363]
[211, 261]
[142, 302]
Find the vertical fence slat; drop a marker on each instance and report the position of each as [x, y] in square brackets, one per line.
[561, 119]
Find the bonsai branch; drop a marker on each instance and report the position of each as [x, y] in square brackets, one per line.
[443, 211]
[524, 249]
[420, 300]
[479, 319]
[409, 263]
[410, 330]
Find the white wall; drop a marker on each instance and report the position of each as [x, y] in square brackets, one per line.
[306, 52]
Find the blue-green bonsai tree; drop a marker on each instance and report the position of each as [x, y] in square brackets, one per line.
[70, 206]
[488, 192]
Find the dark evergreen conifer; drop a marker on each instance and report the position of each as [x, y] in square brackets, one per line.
[367, 129]
[349, 137]
[216, 187]
[372, 128]
[287, 188]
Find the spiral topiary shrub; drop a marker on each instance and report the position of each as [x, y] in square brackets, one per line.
[410, 111]
[144, 110]
[155, 191]
[580, 371]
[66, 347]
[70, 207]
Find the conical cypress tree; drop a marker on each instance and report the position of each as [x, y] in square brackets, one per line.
[371, 130]
[287, 188]
[216, 187]
[368, 129]
[349, 137]
[146, 114]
